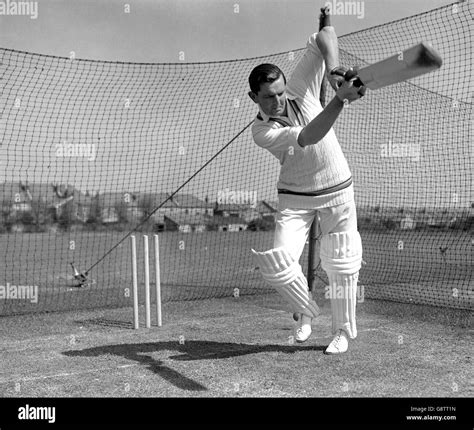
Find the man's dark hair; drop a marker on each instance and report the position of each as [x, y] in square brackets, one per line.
[262, 74]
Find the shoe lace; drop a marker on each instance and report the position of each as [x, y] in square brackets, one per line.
[338, 339]
[300, 330]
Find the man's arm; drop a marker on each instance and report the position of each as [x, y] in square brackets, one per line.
[321, 124]
[326, 40]
[305, 81]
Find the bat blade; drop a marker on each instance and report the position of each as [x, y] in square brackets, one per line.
[412, 62]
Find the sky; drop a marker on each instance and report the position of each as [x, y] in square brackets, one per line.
[204, 30]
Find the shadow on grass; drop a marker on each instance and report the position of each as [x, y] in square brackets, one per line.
[191, 350]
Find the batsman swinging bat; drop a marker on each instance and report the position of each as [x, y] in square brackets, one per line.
[408, 64]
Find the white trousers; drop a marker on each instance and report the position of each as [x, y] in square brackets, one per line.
[292, 231]
[293, 225]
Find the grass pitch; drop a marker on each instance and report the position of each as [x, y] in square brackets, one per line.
[236, 347]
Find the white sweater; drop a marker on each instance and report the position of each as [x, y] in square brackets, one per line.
[319, 169]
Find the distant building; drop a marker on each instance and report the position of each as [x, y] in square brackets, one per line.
[179, 204]
[43, 201]
[407, 223]
[149, 203]
[20, 206]
[185, 223]
[84, 205]
[246, 212]
[439, 220]
[267, 210]
[13, 199]
[119, 207]
[229, 223]
[191, 205]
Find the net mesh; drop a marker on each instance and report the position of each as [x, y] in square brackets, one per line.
[93, 151]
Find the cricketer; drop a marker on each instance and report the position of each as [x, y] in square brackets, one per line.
[315, 182]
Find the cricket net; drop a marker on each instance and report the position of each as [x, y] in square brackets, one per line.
[92, 151]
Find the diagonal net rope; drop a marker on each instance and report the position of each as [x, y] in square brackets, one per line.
[139, 147]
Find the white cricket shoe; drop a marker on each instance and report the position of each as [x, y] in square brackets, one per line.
[303, 332]
[339, 344]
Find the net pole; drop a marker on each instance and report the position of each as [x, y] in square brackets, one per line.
[313, 254]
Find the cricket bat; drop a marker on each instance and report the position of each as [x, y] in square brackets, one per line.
[407, 64]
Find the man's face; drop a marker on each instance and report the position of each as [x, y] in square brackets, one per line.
[271, 97]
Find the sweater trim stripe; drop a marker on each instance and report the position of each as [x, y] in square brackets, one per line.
[329, 190]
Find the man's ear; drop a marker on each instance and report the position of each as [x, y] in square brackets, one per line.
[253, 96]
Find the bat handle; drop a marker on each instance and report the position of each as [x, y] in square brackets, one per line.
[357, 82]
[351, 74]
[324, 18]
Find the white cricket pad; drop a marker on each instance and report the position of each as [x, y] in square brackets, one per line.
[283, 273]
[341, 252]
[341, 258]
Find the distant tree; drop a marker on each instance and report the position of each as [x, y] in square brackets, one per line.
[469, 224]
[212, 225]
[67, 216]
[121, 209]
[40, 212]
[5, 211]
[147, 205]
[26, 218]
[390, 224]
[261, 225]
[95, 214]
